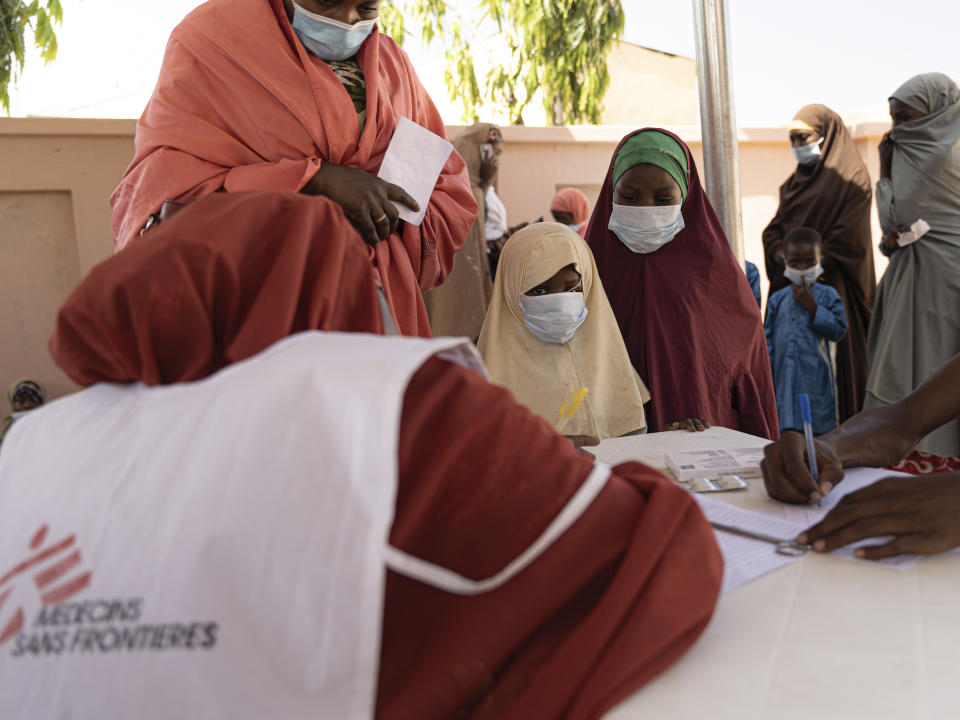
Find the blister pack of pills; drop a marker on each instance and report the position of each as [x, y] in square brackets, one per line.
[720, 484]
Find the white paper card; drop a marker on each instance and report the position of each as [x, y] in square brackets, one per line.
[917, 231]
[413, 161]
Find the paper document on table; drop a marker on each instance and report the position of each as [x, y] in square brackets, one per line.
[806, 515]
[745, 559]
[413, 161]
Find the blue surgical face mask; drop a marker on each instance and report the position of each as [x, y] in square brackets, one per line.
[645, 229]
[329, 39]
[19, 414]
[576, 228]
[807, 154]
[553, 318]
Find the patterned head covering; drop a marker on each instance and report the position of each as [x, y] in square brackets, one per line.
[33, 389]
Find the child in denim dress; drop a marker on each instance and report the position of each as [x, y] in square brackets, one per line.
[802, 319]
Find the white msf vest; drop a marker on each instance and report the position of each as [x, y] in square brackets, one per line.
[216, 549]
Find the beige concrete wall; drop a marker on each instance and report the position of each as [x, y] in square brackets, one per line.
[56, 176]
[649, 86]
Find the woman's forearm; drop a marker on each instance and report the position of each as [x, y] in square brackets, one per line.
[885, 435]
[873, 438]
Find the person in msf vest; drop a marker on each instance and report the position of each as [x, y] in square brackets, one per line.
[590, 617]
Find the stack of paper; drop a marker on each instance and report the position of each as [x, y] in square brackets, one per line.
[745, 559]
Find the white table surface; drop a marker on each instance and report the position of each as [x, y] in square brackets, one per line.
[819, 639]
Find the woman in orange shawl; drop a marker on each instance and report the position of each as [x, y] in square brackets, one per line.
[242, 104]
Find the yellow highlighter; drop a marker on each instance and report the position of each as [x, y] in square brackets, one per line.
[569, 408]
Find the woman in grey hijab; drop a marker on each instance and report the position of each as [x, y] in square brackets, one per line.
[916, 321]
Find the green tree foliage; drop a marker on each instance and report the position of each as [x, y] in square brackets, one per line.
[15, 17]
[556, 46]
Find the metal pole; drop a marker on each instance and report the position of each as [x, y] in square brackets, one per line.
[721, 160]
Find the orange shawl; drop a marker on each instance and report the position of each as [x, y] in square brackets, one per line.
[240, 105]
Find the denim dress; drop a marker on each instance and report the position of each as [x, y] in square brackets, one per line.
[800, 355]
[753, 277]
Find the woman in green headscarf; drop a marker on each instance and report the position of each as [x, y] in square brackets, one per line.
[916, 321]
[687, 315]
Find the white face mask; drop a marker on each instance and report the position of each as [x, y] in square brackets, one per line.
[329, 39]
[645, 229]
[553, 318]
[807, 277]
[807, 154]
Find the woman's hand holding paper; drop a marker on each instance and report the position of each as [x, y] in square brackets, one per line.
[365, 199]
[920, 513]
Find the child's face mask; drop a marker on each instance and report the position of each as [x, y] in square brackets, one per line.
[553, 318]
[808, 276]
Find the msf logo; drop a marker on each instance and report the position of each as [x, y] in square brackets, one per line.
[54, 568]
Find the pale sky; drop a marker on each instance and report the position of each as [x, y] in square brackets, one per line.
[847, 54]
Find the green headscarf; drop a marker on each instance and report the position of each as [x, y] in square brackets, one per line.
[654, 148]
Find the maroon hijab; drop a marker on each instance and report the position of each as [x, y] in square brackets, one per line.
[224, 279]
[688, 317]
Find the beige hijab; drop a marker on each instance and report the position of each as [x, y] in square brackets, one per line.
[542, 375]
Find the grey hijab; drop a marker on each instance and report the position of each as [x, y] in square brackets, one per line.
[925, 172]
[916, 321]
[929, 93]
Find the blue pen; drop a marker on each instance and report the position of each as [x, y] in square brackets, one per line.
[808, 433]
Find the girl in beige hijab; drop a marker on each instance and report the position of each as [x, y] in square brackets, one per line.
[550, 331]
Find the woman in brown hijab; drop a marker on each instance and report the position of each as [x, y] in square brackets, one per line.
[459, 305]
[830, 191]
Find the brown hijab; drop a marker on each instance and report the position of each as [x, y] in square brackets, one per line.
[459, 305]
[833, 197]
